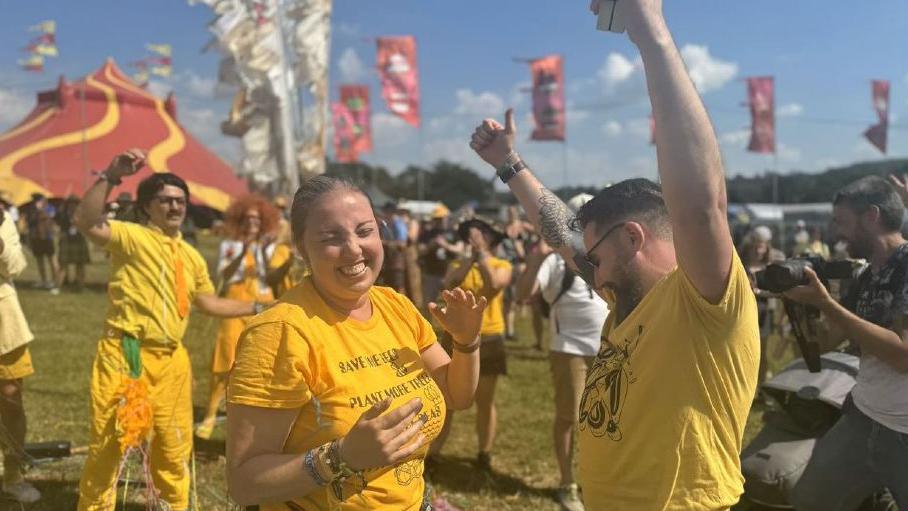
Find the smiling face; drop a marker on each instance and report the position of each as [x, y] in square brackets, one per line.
[167, 208]
[342, 246]
[251, 223]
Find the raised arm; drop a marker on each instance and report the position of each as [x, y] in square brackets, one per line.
[690, 165]
[550, 216]
[89, 217]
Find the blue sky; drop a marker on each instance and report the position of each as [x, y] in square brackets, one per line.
[823, 55]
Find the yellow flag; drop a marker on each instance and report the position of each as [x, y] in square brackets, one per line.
[48, 27]
[34, 62]
[47, 50]
[164, 71]
[163, 50]
[141, 77]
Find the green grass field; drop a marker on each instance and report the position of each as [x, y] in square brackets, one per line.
[57, 402]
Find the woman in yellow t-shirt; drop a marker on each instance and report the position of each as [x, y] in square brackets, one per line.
[250, 223]
[486, 276]
[338, 389]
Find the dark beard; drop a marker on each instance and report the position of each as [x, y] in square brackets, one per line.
[859, 249]
[627, 298]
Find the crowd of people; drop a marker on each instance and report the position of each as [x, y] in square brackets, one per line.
[350, 332]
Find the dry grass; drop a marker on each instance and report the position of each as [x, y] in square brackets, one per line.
[67, 327]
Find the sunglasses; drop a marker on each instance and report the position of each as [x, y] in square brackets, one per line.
[589, 253]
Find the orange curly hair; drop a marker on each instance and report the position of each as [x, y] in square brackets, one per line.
[233, 217]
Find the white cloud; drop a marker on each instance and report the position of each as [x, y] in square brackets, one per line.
[484, 104]
[617, 69]
[390, 130]
[613, 129]
[789, 154]
[200, 86]
[735, 137]
[707, 72]
[640, 128]
[204, 124]
[576, 117]
[16, 106]
[351, 66]
[456, 150]
[790, 110]
[160, 89]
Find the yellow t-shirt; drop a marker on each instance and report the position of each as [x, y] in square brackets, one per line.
[142, 287]
[493, 317]
[665, 403]
[302, 354]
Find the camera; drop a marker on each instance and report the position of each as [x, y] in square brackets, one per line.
[782, 276]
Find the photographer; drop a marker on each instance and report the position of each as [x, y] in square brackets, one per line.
[867, 449]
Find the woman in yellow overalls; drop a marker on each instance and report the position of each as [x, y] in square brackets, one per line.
[250, 223]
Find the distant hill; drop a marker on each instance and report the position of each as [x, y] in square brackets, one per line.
[801, 187]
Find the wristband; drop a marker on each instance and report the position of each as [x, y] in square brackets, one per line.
[506, 172]
[104, 176]
[257, 307]
[309, 461]
[469, 348]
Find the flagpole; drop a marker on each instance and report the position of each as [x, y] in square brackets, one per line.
[564, 163]
[420, 182]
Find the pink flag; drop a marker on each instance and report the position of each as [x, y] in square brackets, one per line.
[344, 151]
[878, 134]
[548, 98]
[761, 98]
[356, 99]
[399, 76]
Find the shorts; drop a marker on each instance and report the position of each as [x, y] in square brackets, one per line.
[16, 364]
[569, 377]
[493, 360]
[41, 247]
[74, 250]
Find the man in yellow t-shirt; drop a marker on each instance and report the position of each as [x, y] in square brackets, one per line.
[665, 403]
[155, 276]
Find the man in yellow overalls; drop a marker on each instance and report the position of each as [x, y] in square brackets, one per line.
[155, 275]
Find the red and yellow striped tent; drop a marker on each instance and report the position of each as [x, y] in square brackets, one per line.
[78, 127]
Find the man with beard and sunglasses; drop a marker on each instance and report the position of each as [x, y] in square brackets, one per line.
[155, 276]
[666, 401]
[867, 449]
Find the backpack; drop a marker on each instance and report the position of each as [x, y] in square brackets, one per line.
[567, 280]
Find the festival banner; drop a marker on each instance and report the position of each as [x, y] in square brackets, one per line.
[878, 134]
[548, 98]
[399, 76]
[344, 136]
[356, 99]
[761, 99]
[34, 63]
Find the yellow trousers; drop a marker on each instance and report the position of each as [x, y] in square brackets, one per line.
[168, 375]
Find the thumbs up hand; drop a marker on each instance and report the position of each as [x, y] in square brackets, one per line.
[494, 142]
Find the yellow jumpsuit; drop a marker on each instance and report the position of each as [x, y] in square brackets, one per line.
[146, 301]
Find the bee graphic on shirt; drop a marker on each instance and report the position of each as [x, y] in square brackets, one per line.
[606, 388]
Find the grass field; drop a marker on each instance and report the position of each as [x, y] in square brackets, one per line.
[67, 327]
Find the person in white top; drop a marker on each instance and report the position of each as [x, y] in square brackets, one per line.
[576, 317]
[15, 362]
[867, 449]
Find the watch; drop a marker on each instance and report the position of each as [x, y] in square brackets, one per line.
[506, 172]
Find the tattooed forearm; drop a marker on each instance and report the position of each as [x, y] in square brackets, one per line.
[554, 219]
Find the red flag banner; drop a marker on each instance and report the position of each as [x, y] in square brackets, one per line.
[399, 76]
[761, 98]
[344, 152]
[356, 99]
[878, 134]
[548, 98]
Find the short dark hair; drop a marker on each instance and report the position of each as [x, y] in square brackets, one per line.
[151, 185]
[870, 191]
[639, 200]
[309, 193]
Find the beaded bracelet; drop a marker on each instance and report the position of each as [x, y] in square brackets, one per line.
[469, 348]
[309, 460]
